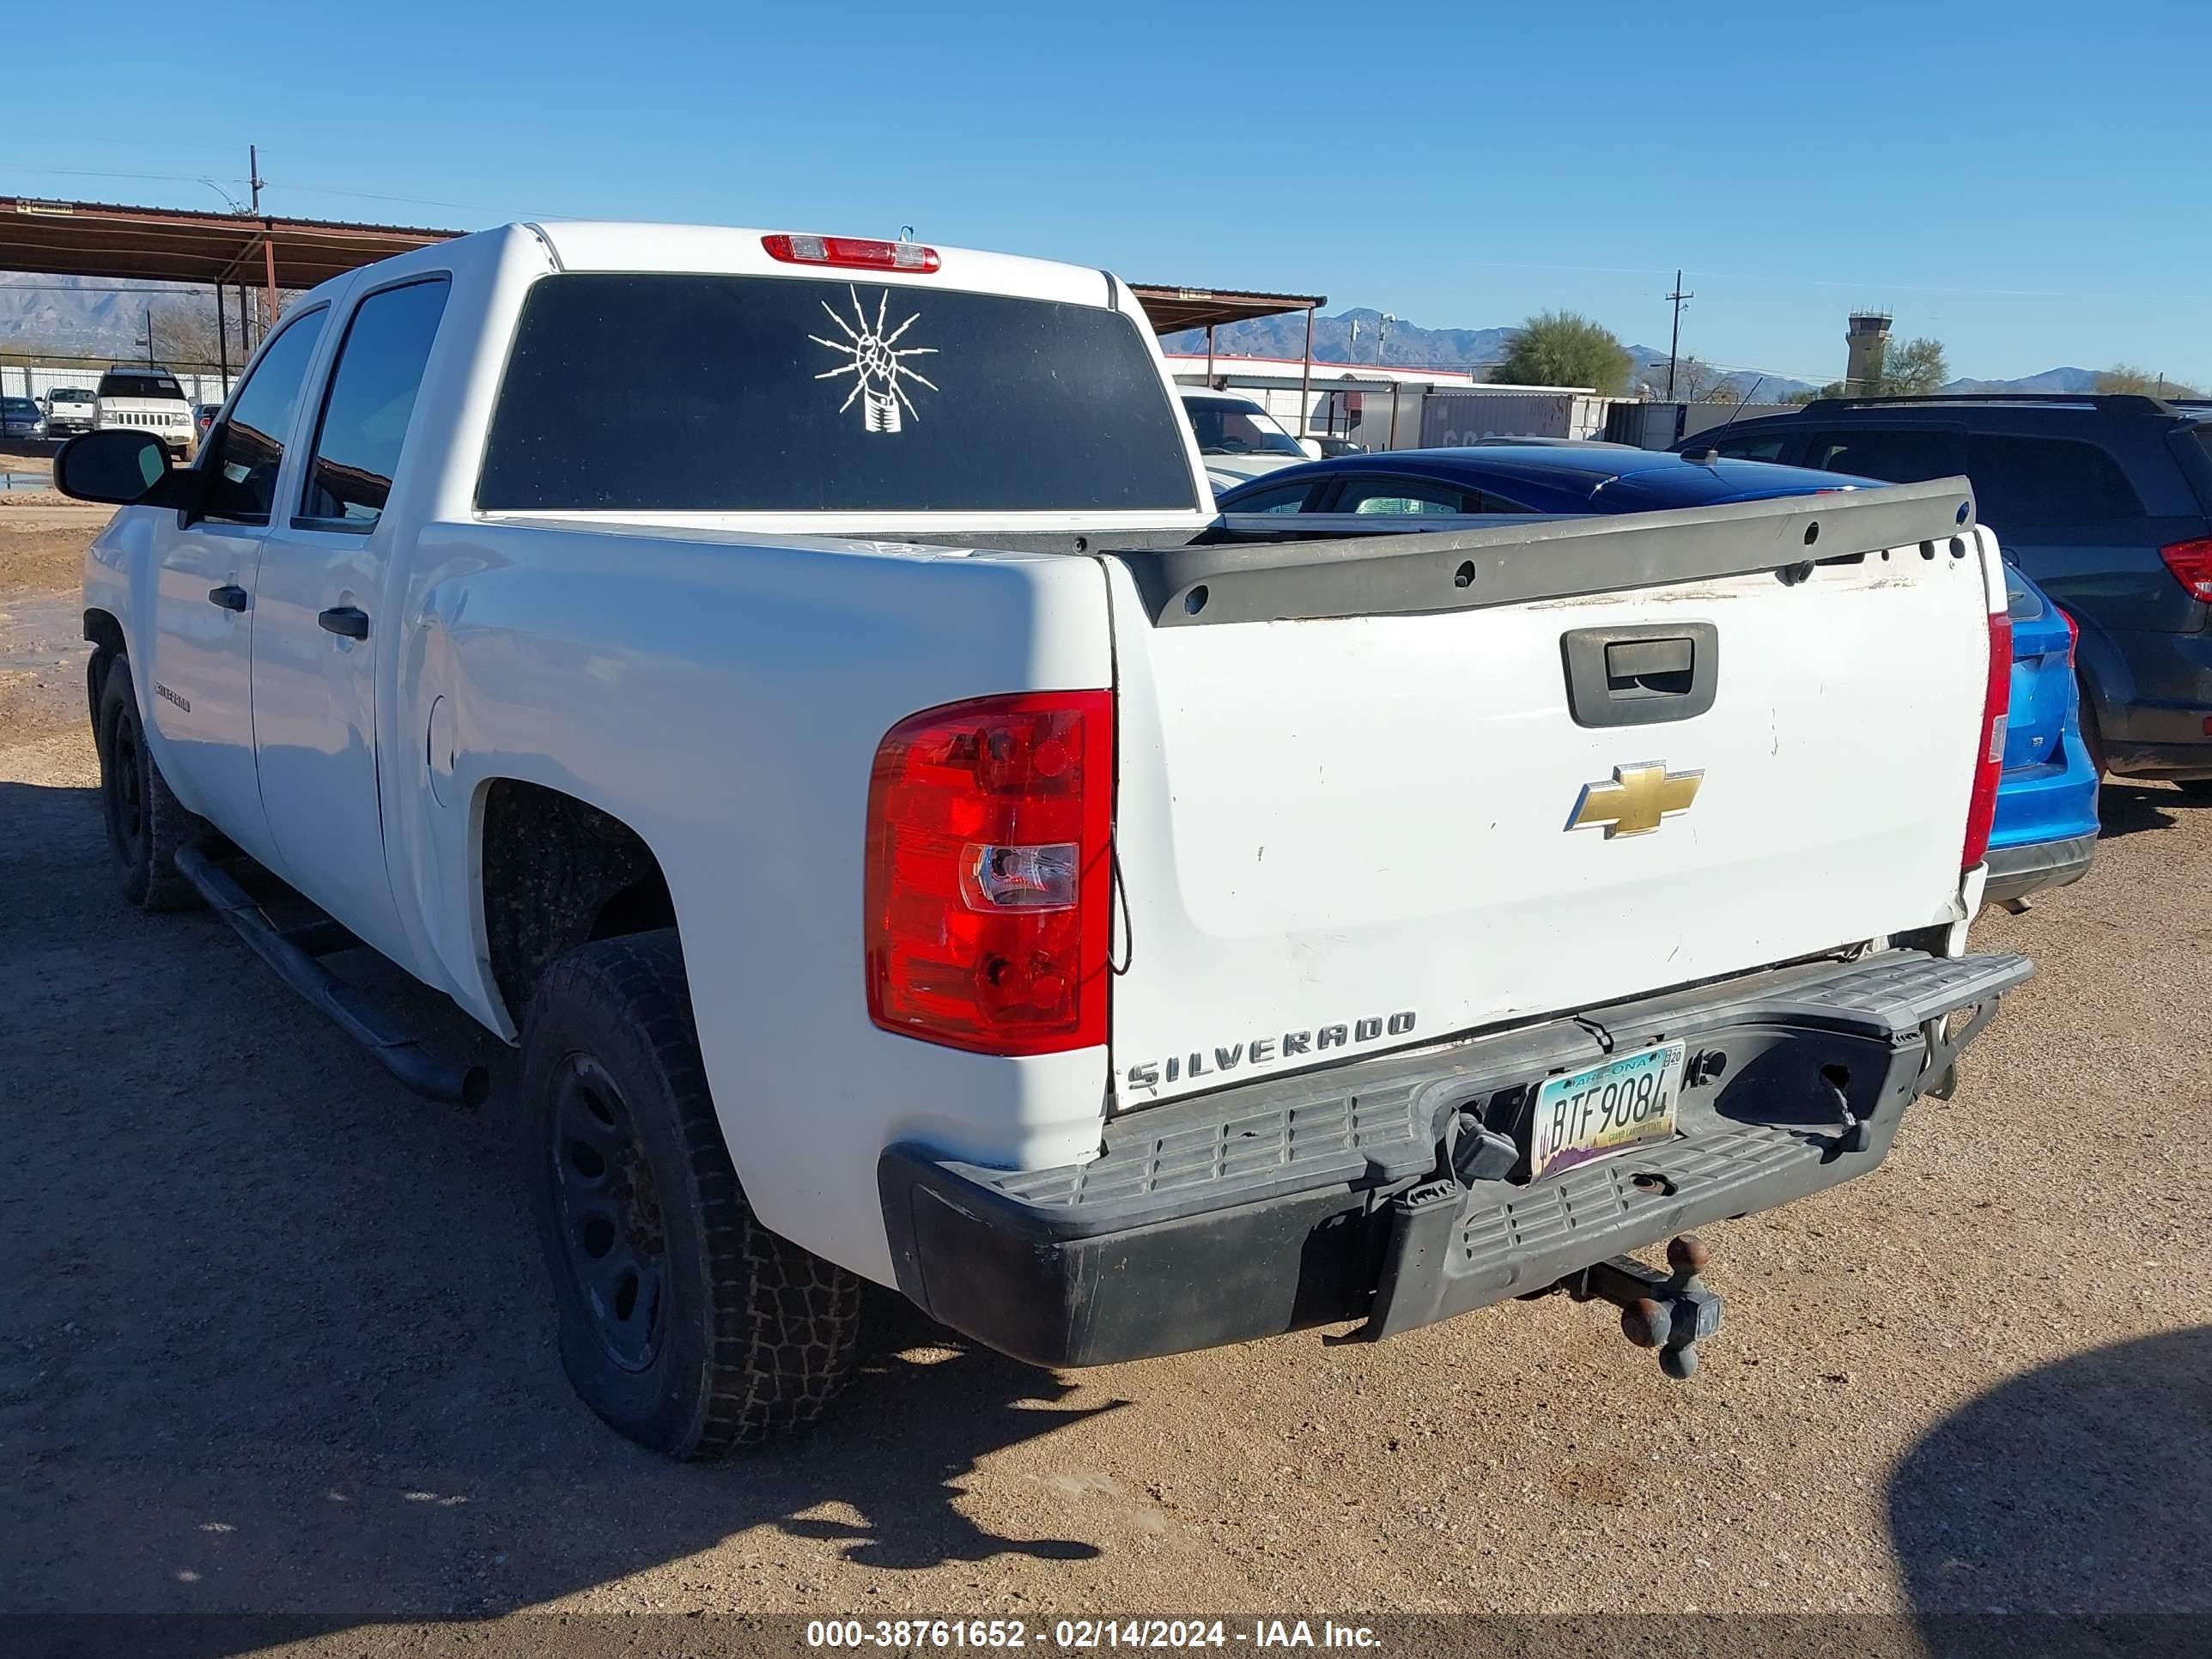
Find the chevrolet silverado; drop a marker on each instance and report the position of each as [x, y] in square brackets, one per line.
[797, 690]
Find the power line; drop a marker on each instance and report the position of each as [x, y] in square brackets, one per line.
[151, 285]
[372, 196]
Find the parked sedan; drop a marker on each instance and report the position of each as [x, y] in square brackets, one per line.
[2046, 820]
[203, 417]
[20, 419]
[1534, 477]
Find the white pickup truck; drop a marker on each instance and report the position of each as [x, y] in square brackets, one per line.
[795, 688]
[70, 410]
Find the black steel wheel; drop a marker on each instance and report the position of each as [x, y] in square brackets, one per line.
[609, 1211]
[146, 824]
[683, 1323]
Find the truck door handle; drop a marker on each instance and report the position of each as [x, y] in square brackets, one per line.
[230, 596]
[349, 621]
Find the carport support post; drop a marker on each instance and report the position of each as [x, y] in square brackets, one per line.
[269, 253]
[1209, 356]
[222, 348]
[245, 339]
[1305, 381]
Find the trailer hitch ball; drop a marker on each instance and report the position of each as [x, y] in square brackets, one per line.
[1671, 1312]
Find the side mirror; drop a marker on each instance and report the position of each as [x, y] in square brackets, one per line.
[1312, 449]
[119, 467]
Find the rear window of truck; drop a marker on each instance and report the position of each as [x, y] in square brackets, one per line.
[658, 393]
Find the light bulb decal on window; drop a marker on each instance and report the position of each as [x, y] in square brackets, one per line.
[877, 363]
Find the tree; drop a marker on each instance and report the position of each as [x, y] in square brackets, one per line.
[2123, 377]
[1560, 348]
[187, 336]
[1695, 380]
[184, 334]
[1912, 369]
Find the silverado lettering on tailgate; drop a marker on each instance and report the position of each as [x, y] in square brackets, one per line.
[1150, 1074]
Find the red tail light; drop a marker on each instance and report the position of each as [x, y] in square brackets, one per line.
[2192, 564]
[1989, 760]
[850, 253]
[2073, 635]
[990, 874]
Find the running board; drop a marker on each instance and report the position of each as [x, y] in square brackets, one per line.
[293, 953]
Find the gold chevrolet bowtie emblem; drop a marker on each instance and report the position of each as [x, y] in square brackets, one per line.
[1637, 798]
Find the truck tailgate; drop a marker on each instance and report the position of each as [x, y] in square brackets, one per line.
[1342, 833]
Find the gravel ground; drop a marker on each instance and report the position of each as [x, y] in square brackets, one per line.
[274, 1337]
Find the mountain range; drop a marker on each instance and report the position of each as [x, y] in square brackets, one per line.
[71, 316]
[1408, 345]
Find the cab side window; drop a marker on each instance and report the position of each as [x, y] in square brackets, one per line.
[244, 452]
[380, 366]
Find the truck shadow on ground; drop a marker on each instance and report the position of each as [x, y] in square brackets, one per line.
[2076, 1488]
[274, 1338]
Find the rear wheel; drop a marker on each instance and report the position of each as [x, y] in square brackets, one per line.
[146, 824]
[2093, 738]
[683, 1323]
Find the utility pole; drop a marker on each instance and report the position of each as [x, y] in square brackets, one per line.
[1675, 340]
[253, 178]
[1382, 334]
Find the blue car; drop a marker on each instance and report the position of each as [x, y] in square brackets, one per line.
[2046, 819]
[2046, 824]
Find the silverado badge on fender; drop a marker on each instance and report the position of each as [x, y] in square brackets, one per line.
[1640, 795]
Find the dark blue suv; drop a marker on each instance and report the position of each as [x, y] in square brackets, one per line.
[2107, 502]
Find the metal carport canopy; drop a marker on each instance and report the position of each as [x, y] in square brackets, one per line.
[179, 244]
[174, 245]
[1172, 309]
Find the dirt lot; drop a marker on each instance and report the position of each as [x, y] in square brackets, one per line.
[273, 1337]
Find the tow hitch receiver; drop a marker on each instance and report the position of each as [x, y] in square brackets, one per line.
[1672, 1314]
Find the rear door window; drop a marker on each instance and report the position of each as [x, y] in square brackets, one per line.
[651, 391]
[1288, 498]
[1230, 426]
[1399, 495]
[244, 452]
[379, 369]
[1750, 446]
[1893, 454]
[2047, 483]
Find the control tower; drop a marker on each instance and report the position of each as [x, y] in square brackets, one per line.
[1866, 341]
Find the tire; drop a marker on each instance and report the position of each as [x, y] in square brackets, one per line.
[146, 824]
[684, 1324]
[2092, 737]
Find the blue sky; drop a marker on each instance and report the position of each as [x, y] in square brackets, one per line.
[2027, 182]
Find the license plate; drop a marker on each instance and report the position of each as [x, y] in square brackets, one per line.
[1587, 1113]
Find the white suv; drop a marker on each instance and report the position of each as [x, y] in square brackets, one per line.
[147, 400]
